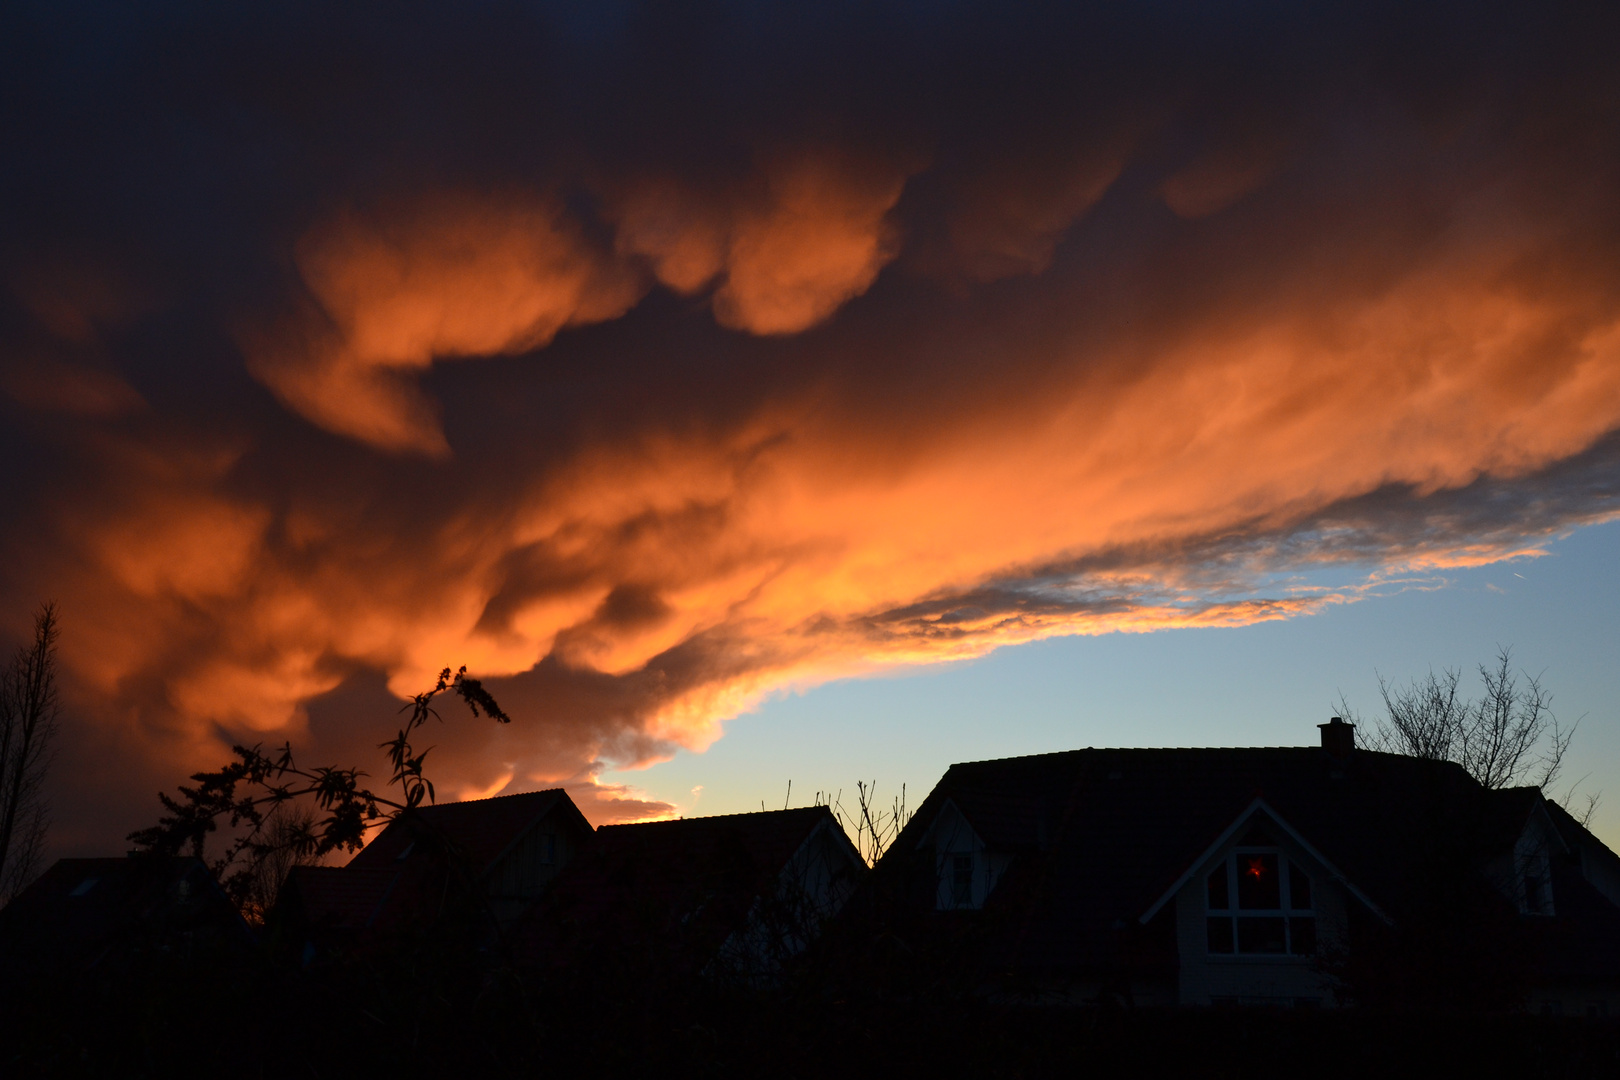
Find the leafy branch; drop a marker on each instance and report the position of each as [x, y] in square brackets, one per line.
[247, 791]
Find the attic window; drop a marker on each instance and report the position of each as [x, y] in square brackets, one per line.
[1259, 903]
[962, 880]
[1535, 872]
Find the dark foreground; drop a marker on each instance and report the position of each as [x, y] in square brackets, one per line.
[272, 1021]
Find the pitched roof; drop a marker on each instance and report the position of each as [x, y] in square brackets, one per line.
[1583, 941]
[80, 911]
[769, 838]
[392, 883]
[1120, 826]
[480, 829]
[669, 891]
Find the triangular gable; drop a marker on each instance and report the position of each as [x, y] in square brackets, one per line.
[949, 805]
[561, 800]
[1228, 836]
[1539, 812]
[847, 847]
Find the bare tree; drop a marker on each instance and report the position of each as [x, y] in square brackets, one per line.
[283, 831]
[872, 828]
[28, 717]
[1507, 738]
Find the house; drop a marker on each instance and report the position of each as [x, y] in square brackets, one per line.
[86, 915]
[734, 895]
[1577, 947]
[1292, 876]
[494, 857]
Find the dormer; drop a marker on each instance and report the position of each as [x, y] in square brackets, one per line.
[967, 868]
[1525, 877]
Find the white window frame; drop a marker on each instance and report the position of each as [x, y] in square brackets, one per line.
[1287, 912]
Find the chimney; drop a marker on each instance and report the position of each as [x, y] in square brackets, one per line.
[1338, 737]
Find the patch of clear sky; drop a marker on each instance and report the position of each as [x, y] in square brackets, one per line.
[1262, 685]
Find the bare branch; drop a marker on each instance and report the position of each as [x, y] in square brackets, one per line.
[29, 711]
[1507, 738]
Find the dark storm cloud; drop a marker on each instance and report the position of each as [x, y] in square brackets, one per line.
[651, 358]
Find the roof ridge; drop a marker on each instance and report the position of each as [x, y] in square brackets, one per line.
[492, 798]
[714, 817]
[1139, 750]
[1360, 751]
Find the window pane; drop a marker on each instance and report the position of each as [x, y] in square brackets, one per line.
[1217, 889]
[962, 879]
[1220, 934]
[1261, 936]
[1302, 936]
[1299, 888]
[1258, 884]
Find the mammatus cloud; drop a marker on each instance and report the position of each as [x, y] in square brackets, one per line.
[450, 278]
[466, 276]
[649, 393]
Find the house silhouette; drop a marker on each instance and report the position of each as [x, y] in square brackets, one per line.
[96, 915]
[480, 863]
[1298, 877]
[1290, 876]
[728, 896]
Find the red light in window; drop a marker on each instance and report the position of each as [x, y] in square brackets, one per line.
[1256, 868]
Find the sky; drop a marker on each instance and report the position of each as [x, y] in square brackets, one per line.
[755, 392]
[1268, 684]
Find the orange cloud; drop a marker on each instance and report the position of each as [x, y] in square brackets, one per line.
[1125, 343]
[459, 276]
[451, 277]
[818, 240]
[670, 581]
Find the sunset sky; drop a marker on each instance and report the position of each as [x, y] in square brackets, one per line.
[767, 392]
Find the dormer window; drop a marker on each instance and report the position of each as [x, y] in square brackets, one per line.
[962, 880]
[1535, 875]
[967, 868]
[1259, 902]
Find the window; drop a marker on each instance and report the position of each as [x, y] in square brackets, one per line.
[1259, 903]
[1536, 876]
[962, 880]
[548, 849]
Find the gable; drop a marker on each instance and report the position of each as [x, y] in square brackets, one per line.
[966, 867]
[950, 831]
[483, 830]
[1523, 871]
[1241, 830]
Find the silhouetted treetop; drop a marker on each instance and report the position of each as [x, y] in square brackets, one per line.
[246, 792]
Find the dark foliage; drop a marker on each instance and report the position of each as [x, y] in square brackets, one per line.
[428, 1013]
[245, 793]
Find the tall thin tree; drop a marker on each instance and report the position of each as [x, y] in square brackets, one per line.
[28, 716]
